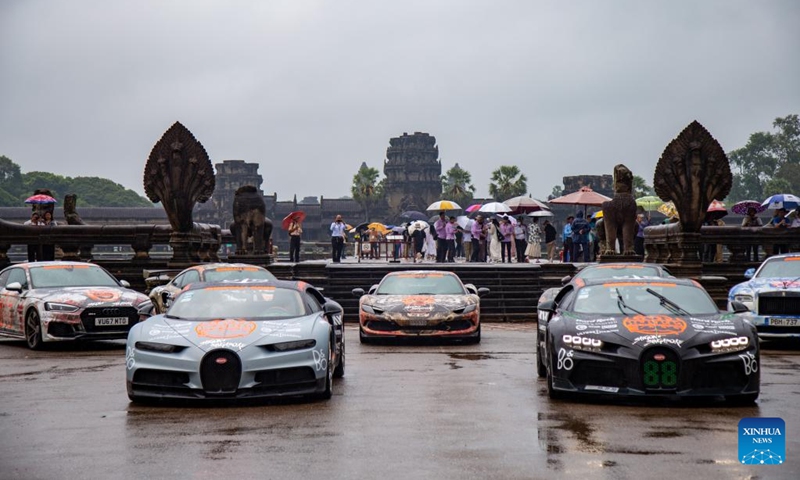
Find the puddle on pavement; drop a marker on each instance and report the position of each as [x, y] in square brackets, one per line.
[470, 356]
[663, 434]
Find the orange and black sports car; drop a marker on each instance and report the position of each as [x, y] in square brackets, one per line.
[647, 337]
[420, 303]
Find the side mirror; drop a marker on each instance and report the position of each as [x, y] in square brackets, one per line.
[125, 283]
[545, 311]
[330, 308]
[471, 288]
[749, 273]
[358, 292]
[566, 280]
[483, 291]
[145, 310]
[739, 307]
[14, 287]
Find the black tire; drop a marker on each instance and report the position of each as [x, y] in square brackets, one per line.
[33, 330]
[741, 400]
[339, 371]
[477, 339]
[363, 338]
[541, 368]
[551, 392]
[328, 392]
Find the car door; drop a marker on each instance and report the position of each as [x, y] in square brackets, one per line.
[13, 302]
[5, 322]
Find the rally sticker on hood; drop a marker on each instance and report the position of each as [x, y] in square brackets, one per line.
[654, 325]
[228, 328]
[103, 295]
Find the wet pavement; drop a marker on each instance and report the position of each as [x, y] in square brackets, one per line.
[409, 411]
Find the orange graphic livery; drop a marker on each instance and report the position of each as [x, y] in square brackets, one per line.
[654, 325]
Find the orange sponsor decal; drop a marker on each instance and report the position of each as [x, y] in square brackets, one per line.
[638, 284]
[654, 325]
[228, 328]
[236, 269]
[232, 287]
[103, 295]
[420, 275]
[620, 267]
[64, 267]
[791, 259]
[419, 300]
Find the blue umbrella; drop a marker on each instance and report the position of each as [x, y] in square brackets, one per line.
[414, 215]
[781, 200]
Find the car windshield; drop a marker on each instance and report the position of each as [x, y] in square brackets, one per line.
[238, 273]
[617, 298]
[238, 302]
[612, 271]
[787, 267]
[421, 284]
[52, 276]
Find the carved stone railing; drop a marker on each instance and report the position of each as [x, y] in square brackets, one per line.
[666, 243]
[77, 241]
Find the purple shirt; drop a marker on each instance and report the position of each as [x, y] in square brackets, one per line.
[439, 226]
[450, 231]
[477, 230]
[507, 230]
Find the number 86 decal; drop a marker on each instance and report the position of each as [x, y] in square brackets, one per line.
[565, 361]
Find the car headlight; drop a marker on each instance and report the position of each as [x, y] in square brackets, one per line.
[468, 309]
[371, 310]
[730, 344]
[582, 343]
[158, 347]
[288, 346]
[60, 307]
[742, 297]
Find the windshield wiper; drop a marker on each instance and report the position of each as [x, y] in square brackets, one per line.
[622, 305]
[173, 317]
[666, 302]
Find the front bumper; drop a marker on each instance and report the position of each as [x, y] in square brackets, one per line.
[767, 328]
[449, 326]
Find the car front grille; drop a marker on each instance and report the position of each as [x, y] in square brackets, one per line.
[59, 329]
[660, 369]
[89, 315]
[604, 374]
[220, 372]
[160, 378]
[716, 376]
[779, 303]
[388, 326]
[285, 380]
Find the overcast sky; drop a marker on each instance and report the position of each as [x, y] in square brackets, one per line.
[310, 89]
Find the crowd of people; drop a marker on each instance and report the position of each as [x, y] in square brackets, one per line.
[41, 253]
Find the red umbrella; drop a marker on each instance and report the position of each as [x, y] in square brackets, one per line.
[298, 215]
[716, 210]
[584, 196]
[40, 199]
[473, 208]
[523, 204]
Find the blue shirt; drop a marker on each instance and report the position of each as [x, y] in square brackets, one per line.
[567, 231]
[337, 229]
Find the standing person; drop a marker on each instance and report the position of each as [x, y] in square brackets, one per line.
[566, 235]
[638, 241]
[430, 246]
[337, 239]
[507, 232]
[450, 238]
[550, 240]
[440, 235]
[494, 238]
[466, 241]
[580, 237]
[534, 250]
[520, 242]
[374, 244]
[418, 237]
[459, 241]
[478, 240]
[750, 220]
[780, 221]
[33, 249]
[49, 250]
[295, 230]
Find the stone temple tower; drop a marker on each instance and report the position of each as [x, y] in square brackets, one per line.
[413, 173]
[232, 174]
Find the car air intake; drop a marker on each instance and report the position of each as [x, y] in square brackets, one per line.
[220, 372]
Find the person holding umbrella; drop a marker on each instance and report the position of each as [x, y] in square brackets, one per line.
[780, 221]
[337, 238]
[33, 250]
[478, 231]
[751, 220]
[295, 231]
[550, 234]
[440, 235]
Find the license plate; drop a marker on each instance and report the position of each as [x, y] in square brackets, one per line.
[784, 322]
[418, 323]
[110, 321]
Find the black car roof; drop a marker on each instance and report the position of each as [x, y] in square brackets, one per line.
[629, 280]
[290, 284]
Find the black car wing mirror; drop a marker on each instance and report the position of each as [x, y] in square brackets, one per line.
[739, 307]
[358, 292]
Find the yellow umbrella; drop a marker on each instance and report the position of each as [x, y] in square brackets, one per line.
[669, 210]
[378, 227]
[443, 205]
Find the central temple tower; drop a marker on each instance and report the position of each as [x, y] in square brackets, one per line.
[413, 173]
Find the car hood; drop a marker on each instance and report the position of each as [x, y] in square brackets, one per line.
[232, 333]
[767, 284]
[91, 296]
[646, 330]
[418, 303]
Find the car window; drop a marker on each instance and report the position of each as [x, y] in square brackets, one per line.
[69, 275]
[605, 299]
[787, 267]
[192, 276]
[420, 284]
[238, 302]
[237, 273]
[4, 277]
[178, 281]
[18, 275]
[612, 271]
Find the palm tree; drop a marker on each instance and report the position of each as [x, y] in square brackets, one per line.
[366, 189]
[507, 182]
[457, 185]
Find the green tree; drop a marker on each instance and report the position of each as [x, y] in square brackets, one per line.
[641, 188]
[10, 180]
[775, 186]
[767, 156]
[507, 182]
[558, 190]
[457, 185]
[366, 189]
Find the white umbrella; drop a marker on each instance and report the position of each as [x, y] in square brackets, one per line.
[510, 218]
[541, 213]
[463, 221]
[418, 225]
[523, 204]
[443, 205]
[495, 207]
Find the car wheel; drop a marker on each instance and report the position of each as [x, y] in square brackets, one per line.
[541, 369]
[363, 338]
[339, 372]
[551, 392]
[742, 400]
[33, 331]
[477, 338]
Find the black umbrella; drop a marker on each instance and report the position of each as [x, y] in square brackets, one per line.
[360, 227]
[414, 215]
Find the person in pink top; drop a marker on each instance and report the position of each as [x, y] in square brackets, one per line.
[450, 237]
[441, 239]
[507, 230]
[478, 231]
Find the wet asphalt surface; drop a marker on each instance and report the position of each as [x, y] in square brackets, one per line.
[402, 411]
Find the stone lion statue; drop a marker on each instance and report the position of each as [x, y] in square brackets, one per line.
[619, 213]
[70, 214]
[250, 221]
